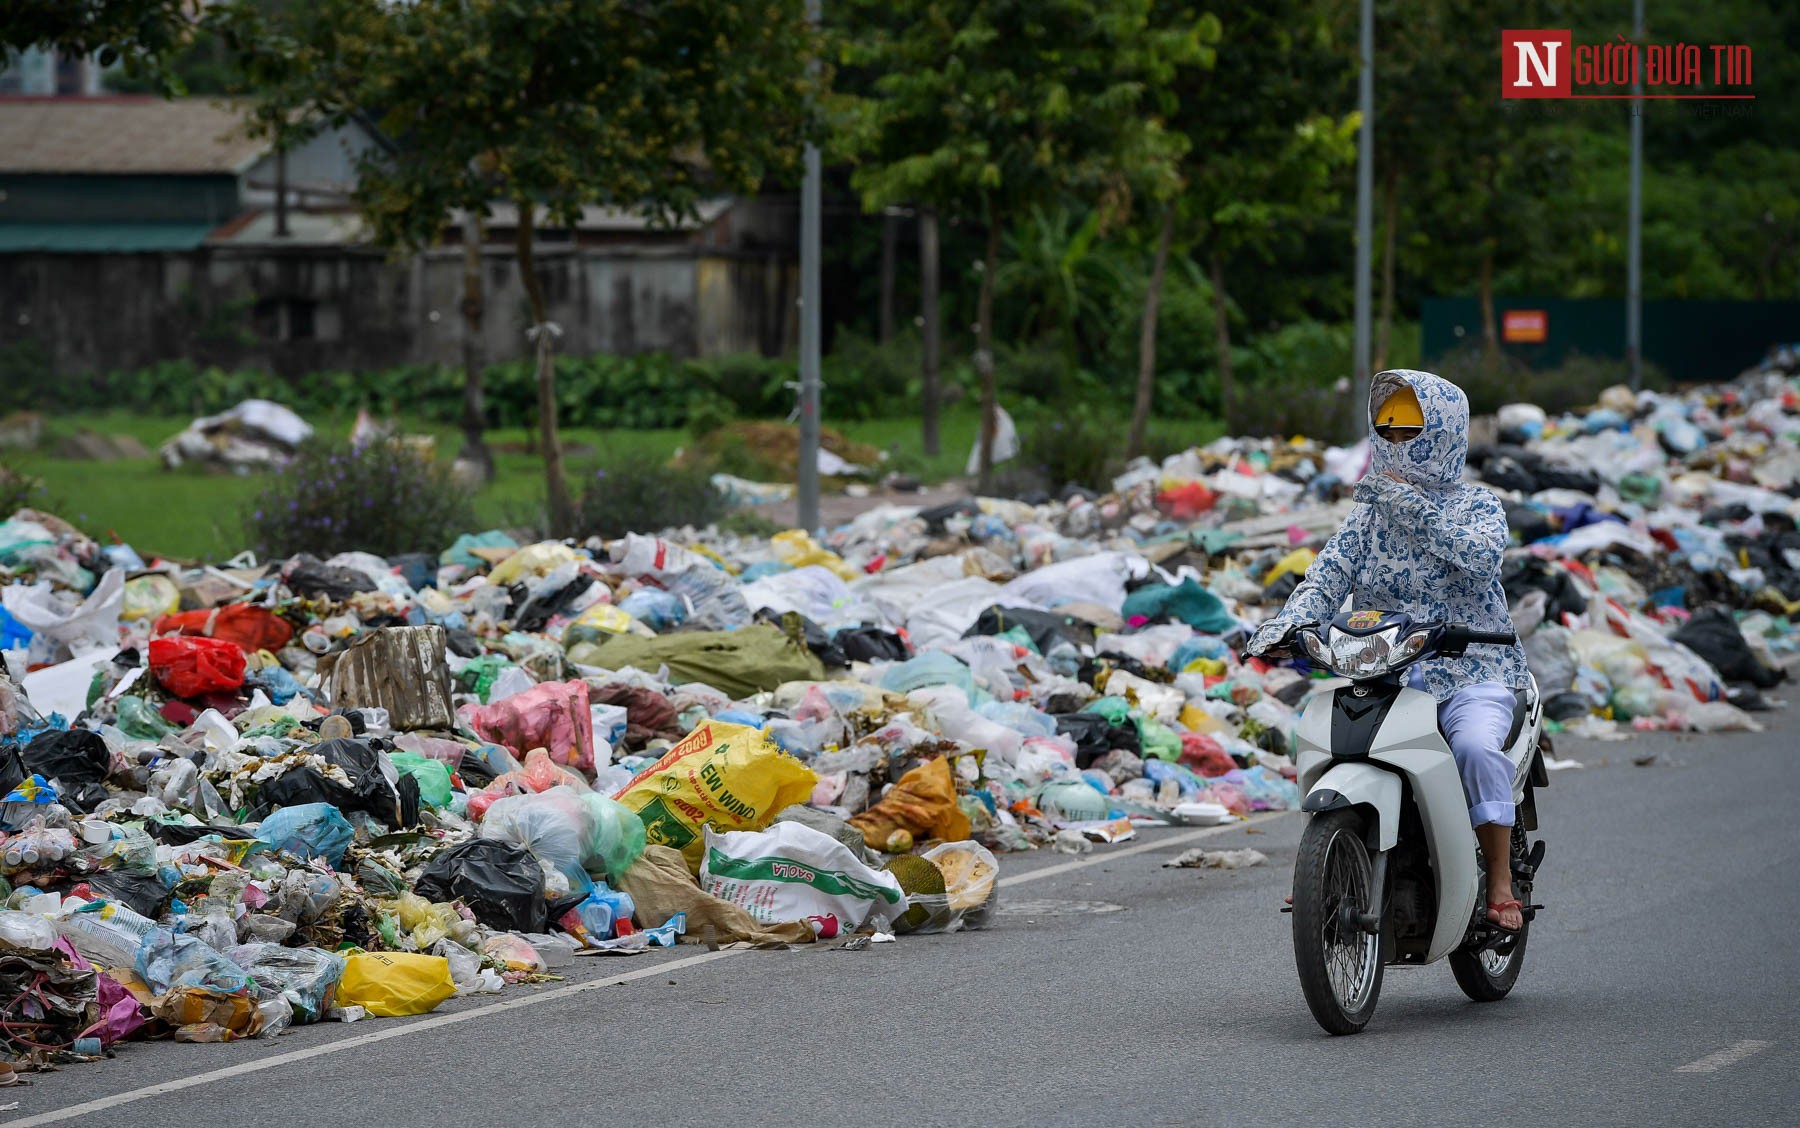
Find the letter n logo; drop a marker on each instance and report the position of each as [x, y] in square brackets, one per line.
[1535, 64]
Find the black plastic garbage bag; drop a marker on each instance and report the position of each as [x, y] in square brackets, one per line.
[1046, 628]
[1565, 706]
[1531, 523]
[1528, 574]
[369, 790]
[871, 644]
[818, 640]
[144, 893]
[502, 884]
[310, 577]
[1095, 736]
[1713, 634]
[546, 605]
[72, 758]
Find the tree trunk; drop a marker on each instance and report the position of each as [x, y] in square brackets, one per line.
[932, 316]
[562, 513]
[1146, 382]
[1390, 222]
[474, 415]
[1490, 333]
[890, 239]
[984, 355]
[1222, 337]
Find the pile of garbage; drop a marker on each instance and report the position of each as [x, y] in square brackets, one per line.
[243, 796]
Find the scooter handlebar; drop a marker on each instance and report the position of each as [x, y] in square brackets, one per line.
[1465, 637]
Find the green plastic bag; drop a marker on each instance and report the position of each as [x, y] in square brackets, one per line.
[1158, 739]
[478, 676]
[617, 838]
[433, 776]
[140, 720]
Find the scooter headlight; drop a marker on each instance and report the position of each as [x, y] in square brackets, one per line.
[1372, 655]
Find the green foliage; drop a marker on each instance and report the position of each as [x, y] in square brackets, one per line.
[1492, 381]
[638, 493]
[748, 523]
[142, 34]
[562, 103]
[19, 490]
[988, 108]
[381, 498]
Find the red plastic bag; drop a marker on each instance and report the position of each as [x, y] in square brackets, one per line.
[253, 628]
[1186, 501]
[1203, 754]
[186, 666]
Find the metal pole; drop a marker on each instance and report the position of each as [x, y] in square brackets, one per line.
[1365, 222]
[1634, 249]
[809, 327]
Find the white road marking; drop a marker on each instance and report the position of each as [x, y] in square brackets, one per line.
[226, 1073]
[1157, 841]
[1730, 1055]
[101, 1104]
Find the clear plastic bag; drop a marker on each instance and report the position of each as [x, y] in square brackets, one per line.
[306, 978]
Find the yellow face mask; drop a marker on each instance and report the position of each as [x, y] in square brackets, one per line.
[1400, 418]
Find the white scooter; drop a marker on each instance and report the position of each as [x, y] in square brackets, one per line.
[1388, 870]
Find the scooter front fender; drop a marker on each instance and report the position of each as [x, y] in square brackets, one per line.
[1373, 790]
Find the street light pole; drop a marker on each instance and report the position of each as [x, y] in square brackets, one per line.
[1634, 249]
[1365, 193]
[810, 317]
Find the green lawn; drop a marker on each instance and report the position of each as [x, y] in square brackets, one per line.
[194, 513]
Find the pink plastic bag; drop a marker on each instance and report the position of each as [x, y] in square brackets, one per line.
[538, 774]
[553, 716]
[120, 1014]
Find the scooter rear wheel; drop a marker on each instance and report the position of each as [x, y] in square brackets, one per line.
[1340, 965]
[1487, 976]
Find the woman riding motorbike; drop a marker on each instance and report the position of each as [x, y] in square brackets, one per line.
[1422, 542]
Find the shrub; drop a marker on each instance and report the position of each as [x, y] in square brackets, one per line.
[382, 498]
[19, 490]
[1079, 448]
[1491, 381]
[638, 494]
[748, 523]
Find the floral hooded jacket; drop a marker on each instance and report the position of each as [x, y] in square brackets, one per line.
[1429, 546]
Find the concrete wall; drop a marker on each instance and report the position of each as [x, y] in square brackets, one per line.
[297, 310]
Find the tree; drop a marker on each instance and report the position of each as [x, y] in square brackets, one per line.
[550, 105]
[986, 109]
[1260, 152]
[142, 34]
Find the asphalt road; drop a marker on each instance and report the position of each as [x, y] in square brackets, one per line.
[1662, 986]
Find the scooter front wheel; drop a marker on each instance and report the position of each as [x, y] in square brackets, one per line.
[1339, 962]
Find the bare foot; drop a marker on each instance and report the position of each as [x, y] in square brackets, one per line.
[1510, 918]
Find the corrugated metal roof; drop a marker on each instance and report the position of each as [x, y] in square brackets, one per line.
[124, 135]
[96, 238]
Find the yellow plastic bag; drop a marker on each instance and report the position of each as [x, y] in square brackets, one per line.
[797, 547]
[728, 777]
[149, 598]
[394, 984]
[534, 559]
[1196, 719]
[1297, 562]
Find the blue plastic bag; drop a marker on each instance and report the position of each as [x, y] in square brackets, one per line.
[166, 960]
[310, 830]
[658, 610]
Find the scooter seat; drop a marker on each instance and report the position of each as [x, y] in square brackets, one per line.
[1521, 710]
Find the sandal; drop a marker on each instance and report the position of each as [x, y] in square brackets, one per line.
[1495, 908]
